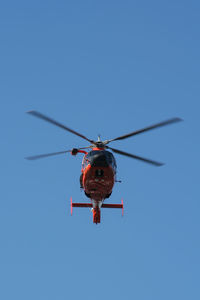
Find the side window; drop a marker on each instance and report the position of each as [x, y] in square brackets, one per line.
[111, 160]
[85, 161]
[114, 165]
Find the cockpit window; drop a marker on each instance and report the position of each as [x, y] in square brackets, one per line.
[88, 158]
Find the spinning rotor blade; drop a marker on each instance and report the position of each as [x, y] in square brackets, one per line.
[167, 122]
[50, 154]
[149, 161]
[45, 155]
[45, 118]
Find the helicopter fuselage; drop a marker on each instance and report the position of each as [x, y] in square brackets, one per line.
[98, 174]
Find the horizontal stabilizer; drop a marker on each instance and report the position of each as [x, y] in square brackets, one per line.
[115, 206]
[81, 204]
[103, 205]
[112, 205]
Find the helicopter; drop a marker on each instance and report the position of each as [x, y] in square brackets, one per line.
[99, 168]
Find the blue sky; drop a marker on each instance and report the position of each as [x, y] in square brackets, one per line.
[106, 68]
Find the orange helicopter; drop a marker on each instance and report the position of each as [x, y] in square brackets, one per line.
[98, 173]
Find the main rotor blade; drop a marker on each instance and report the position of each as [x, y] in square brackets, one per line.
[45, 118]
[164, 123]
[149, 161]
[51, 154]
[45, 155]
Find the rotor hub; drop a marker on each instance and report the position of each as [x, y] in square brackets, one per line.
[99, 144]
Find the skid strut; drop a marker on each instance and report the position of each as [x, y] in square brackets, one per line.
[96, 210]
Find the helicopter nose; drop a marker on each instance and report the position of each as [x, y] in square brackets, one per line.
[99, 160]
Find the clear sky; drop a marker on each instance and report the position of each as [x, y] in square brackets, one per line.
[100, 67]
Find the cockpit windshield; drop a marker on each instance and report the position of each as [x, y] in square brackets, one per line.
[99, 156]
